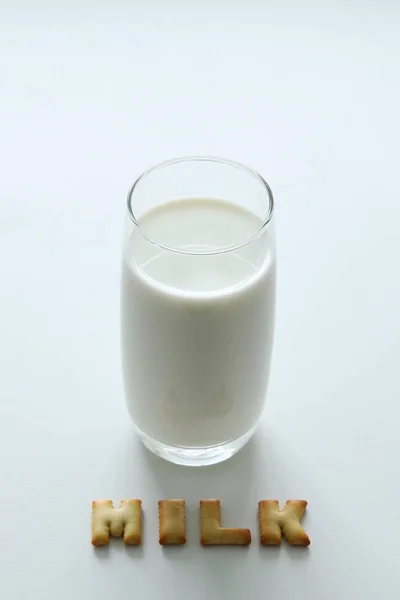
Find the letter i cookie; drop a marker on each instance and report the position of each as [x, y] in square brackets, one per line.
[171, 522]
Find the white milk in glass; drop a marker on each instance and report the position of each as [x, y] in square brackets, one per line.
[197, 328]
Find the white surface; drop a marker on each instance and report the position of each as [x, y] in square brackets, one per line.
[309, 96]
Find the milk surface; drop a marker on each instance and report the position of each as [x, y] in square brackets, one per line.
[197, 329]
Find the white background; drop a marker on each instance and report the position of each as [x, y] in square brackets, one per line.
[309, 95]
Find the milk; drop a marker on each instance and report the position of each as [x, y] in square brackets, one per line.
[197, 329]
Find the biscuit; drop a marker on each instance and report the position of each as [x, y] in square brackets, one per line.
[212, 533]
[171, 522]
[126, 520]
[274, 522]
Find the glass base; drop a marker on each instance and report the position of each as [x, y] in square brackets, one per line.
[195, 457]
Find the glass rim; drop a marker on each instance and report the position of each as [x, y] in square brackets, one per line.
[210, 159]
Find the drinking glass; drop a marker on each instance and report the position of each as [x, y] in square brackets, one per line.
[197, 306]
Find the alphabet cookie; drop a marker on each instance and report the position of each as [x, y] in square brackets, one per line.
[211, 531]
[171, 522]
[126, 520]
[274, 522]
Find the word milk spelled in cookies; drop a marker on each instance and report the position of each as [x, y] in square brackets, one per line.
[126, 520]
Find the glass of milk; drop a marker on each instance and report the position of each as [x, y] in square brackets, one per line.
[197, 307]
